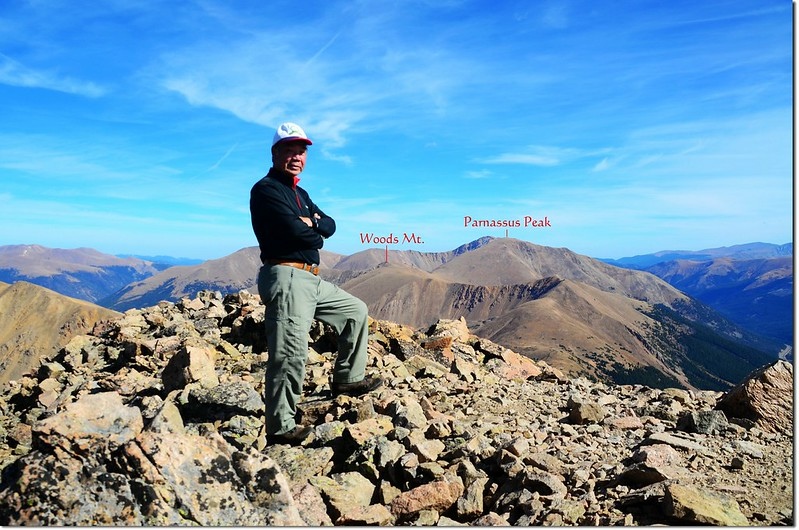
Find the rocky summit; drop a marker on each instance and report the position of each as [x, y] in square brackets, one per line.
[156, 418]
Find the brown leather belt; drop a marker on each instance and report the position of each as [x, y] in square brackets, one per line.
[313, 269]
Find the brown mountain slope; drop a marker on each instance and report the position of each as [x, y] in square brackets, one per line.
[411, 296]
[228, 274]
[417, 298]
[37, 322]
[371, 258]
[511, 261]
[582, 330]
[573, 326]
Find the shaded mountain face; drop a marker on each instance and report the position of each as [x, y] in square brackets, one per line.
[80, 273]
[755, 293]
[750, 284]
[37, 322]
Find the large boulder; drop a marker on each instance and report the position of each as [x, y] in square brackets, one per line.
[765, 398]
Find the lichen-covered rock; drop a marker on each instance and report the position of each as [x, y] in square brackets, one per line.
[56, 490]
[96, 422]
[94, 465]
[690, 505]
[345, 493]
[223, 400]
[703, 421]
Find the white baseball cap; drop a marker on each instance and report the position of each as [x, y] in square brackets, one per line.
[290, 131]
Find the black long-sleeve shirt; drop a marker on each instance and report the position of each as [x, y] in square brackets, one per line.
[276, 205]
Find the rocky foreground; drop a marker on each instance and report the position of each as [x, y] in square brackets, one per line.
[156, 419]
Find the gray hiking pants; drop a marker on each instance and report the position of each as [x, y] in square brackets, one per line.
[293, 298]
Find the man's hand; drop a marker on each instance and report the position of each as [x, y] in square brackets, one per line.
[308, 221]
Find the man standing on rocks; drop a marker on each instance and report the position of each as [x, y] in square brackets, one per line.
[290, 230]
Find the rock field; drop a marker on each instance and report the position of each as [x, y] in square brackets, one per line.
[156, 419]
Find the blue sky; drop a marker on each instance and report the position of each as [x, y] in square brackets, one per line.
[630, 126]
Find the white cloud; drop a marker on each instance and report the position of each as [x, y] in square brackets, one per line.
[543, 155]
[556, 14]
[15, 74]
[480, 174]
[522, 158]
[222, 159]
[602, 165]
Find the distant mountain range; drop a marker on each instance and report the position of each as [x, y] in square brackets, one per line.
[755, 293]
[750, 284]
[162, 261]
[575, 312]
[747, 251]
[80, 273]
[581, 314]
[229, 274]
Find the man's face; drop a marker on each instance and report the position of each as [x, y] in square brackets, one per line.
[290, 157]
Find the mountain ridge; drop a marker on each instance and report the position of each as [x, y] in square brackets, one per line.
[753, 250]
[82, 273]
[37, 322]
[417, 289]
[509, 290]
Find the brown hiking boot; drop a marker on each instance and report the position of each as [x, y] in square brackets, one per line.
[293, 437]
[358, 388]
